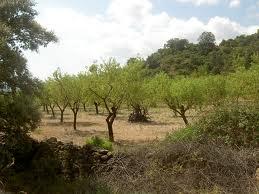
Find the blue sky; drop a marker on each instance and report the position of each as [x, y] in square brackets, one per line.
[175, 8]
[91, 30]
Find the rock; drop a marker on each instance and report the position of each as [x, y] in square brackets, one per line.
[52, 140]
[104, 157]
[103, 152]
[97, 155]
[22, 192]
[109, 154]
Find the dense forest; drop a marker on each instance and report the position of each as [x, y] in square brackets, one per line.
[211, 88]
[180, 57]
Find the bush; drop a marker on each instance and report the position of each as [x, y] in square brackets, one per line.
[100, 142]
[234, 125]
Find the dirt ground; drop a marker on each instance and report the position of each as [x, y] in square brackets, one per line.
[89, 124]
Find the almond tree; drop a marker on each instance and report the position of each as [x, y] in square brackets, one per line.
[108, 85]
[180, 95]
[137, 91]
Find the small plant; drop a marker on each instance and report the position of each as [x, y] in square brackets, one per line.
[100, 142]
[185, 134]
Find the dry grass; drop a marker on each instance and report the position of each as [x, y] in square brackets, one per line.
[181, 167]
[89, 124]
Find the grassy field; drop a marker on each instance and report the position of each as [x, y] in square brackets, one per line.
[162, 122]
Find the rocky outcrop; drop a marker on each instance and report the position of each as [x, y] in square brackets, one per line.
[70, 160]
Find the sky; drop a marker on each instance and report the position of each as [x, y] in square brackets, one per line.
[95, 30]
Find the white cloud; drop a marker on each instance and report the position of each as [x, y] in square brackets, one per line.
[200, 2]
[234, 3]
[125, 30]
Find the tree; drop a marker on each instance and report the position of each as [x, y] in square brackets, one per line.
[180, 95]
[92, 98]
[19, 31]
[108, 85]
[47, 96]
[73, 93]
[217, 64]
[58, 93]
[214, 90]
[137, 91]
[207, 42]
[177, 44]
[243, 86]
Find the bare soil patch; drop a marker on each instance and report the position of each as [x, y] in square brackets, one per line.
[162, 122]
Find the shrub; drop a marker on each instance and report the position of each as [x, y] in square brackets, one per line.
[235, 125]
[100, 142]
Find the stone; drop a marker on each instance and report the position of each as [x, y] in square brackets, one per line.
[109, 154]
[97, 155]
[52, 140]
[103, 152]
[104, 157]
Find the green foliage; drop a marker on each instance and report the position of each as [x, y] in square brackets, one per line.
[185, 134]
[19, 113]
[235, 125]
[207, 42]
[100, 142]
[243, 85]
[19, 31]
[179, 57]
[181, 94]
[104, 85]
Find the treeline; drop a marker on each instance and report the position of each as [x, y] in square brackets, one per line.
[112, 86]
[180, 57]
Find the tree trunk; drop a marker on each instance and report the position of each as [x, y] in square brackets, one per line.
[44, 107]
[182, 114]
[96, 108]
[75, 119]
[110, 129]
[84, 107]
[52, 111]
[110, 119]
[184, 119]
[62, 116]
[47, 109]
